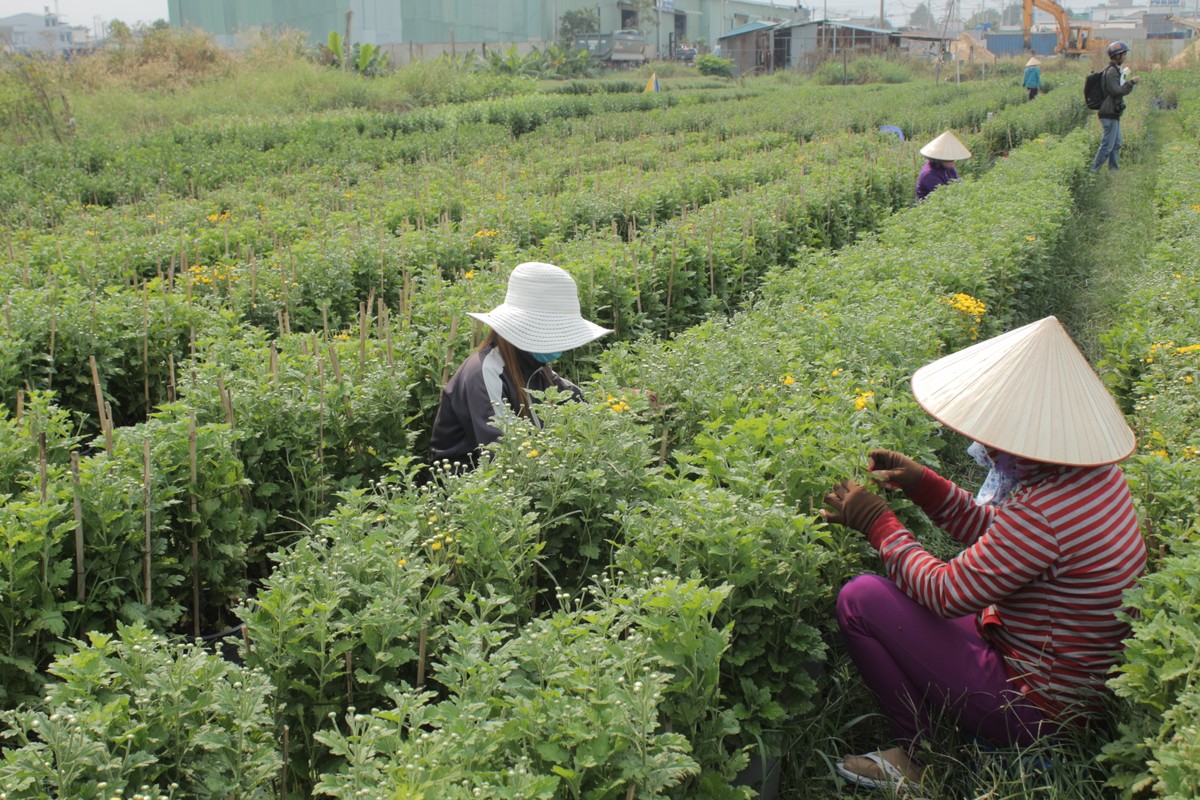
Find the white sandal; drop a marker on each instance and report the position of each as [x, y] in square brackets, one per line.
[894, 779]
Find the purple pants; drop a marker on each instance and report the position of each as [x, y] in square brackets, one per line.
[917, 662]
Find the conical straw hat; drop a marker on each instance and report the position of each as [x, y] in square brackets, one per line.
[1033, 62]
[946, 147]
[540, 312]
[1029, 392]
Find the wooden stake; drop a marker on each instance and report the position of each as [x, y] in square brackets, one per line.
[192, 488]
[20, 404]
[149, 515]
[283, 777]
[422, 647]
[171, 377]
[50, 366]
[80, 578]
[100, 406]
[364, 328]
[450, 351]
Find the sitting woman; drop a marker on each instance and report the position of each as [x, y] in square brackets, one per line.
[1012, 638]
[942, 153]
[538, 321]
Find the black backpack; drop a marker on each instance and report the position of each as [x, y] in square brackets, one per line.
[1093, 89]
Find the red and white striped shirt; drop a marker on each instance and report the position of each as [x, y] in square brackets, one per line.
[1045, 572]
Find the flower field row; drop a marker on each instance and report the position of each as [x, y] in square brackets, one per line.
[1154, 355]
[539, 619]
[820, 360]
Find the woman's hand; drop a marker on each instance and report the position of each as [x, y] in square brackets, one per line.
[854, 506]
[892, 470]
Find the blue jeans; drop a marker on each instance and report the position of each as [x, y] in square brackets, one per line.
[1110, 143]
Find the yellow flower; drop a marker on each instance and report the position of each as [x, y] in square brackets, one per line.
[532, 454]
[348, 194]
[401, 562]
[863, 400]
[1188, 378]
[1196, 208]
[435, 546]
[837, 372]
[433, 518]
[1160, 453]
[1189, 348]
[469, 274]
[788, 380]
[968, 305]
[1031, 238]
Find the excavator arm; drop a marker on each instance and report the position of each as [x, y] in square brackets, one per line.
[1071, 40]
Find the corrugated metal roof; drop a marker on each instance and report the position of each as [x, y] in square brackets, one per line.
[749, 27]
[833, 24]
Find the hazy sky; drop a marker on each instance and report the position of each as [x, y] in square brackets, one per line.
[84, 12]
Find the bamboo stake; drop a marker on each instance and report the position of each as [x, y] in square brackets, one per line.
[20, 404]
[283, 776]
[333, 362]
[450, 351]
[171, 377]
[195, 524]
[43, 467]
[50, 366]
[146, 349]
[386, 322]
[320, 427]
[349, 677]
[364, 327]
[670, 289]
[149, 514]
[422, 647]
[100, 406]
[80, 578]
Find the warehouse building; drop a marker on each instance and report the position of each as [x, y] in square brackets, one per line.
[414, 29]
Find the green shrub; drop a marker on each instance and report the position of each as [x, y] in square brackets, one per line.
[133, 715]
[714, 65]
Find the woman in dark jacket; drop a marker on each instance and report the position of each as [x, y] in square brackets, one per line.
[538, 321]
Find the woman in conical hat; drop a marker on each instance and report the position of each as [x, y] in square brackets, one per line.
[1015, 635]
[537, 322]
[1032, 79]
[941, 155]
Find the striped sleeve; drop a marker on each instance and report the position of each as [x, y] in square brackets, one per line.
[1017, 548]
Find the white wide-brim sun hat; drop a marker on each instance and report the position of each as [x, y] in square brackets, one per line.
[1033, 62]
[540, 312]
[1029, 392]
[946, 147]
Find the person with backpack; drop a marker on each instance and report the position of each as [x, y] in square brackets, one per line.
[1116, 83]
[1032, 79]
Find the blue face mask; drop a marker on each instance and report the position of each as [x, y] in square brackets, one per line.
[545, 358]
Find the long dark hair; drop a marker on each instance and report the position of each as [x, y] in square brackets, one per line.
[512, 365]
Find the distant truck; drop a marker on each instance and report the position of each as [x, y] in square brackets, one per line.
[619, 48]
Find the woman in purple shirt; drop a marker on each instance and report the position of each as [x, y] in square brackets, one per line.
[941, 153]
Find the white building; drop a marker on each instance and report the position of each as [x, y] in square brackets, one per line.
[44, 34]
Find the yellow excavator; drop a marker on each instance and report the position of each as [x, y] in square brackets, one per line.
[1073, 40]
